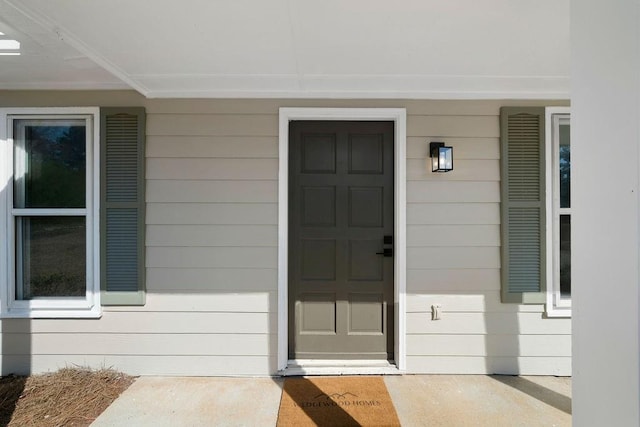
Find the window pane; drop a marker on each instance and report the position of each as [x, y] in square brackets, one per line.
[565, 166]
[49, 163]
[50, 257]
[565, 256]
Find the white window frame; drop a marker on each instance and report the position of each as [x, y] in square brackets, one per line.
[50, 307]
[556, 305]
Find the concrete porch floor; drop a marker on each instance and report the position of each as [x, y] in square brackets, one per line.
[420, 400]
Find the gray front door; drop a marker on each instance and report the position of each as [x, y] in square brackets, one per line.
[341, 240]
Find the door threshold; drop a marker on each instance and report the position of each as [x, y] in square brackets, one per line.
[313, 367]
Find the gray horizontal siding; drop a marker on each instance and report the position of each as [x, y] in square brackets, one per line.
[225, 279]
[453, 260]
[223, 147]
[178, 320]
[203, 191]
[212, 213]
[155, 364]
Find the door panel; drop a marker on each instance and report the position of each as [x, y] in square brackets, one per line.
[318, 153]
[318, 260]
[318, 206]
[318, 313]
[340, 210]
[366, 154]
[366, 206]
[366, 313]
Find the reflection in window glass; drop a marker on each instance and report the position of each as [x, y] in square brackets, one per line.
[49, 163]
[50, 257]
[565, 256]
[565, 166]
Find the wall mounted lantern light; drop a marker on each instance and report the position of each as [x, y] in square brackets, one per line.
[441, 157]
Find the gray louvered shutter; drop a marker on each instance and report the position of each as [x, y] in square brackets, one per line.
[122, 206]
[523, 209]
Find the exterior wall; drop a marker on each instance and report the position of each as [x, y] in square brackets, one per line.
[212, 168]
[453, 233]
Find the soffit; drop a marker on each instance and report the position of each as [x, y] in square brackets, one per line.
[304, 48]
[45, 61]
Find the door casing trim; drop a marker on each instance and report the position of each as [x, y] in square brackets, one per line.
[399, 117]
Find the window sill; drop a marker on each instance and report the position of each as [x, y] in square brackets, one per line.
[558, 312]
[92, 313]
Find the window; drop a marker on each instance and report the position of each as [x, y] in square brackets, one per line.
[51, 254]
[559, 213]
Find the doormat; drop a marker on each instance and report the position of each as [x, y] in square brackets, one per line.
[336, 401]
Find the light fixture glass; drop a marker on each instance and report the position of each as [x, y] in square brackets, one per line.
[441, 157]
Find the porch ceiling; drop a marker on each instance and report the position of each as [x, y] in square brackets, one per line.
[291, 48]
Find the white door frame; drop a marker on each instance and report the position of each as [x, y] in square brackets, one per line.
[399, 117]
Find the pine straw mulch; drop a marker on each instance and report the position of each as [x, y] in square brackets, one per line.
[69, 397]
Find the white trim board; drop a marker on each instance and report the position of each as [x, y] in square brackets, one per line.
[554, 307]
[399, 117]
